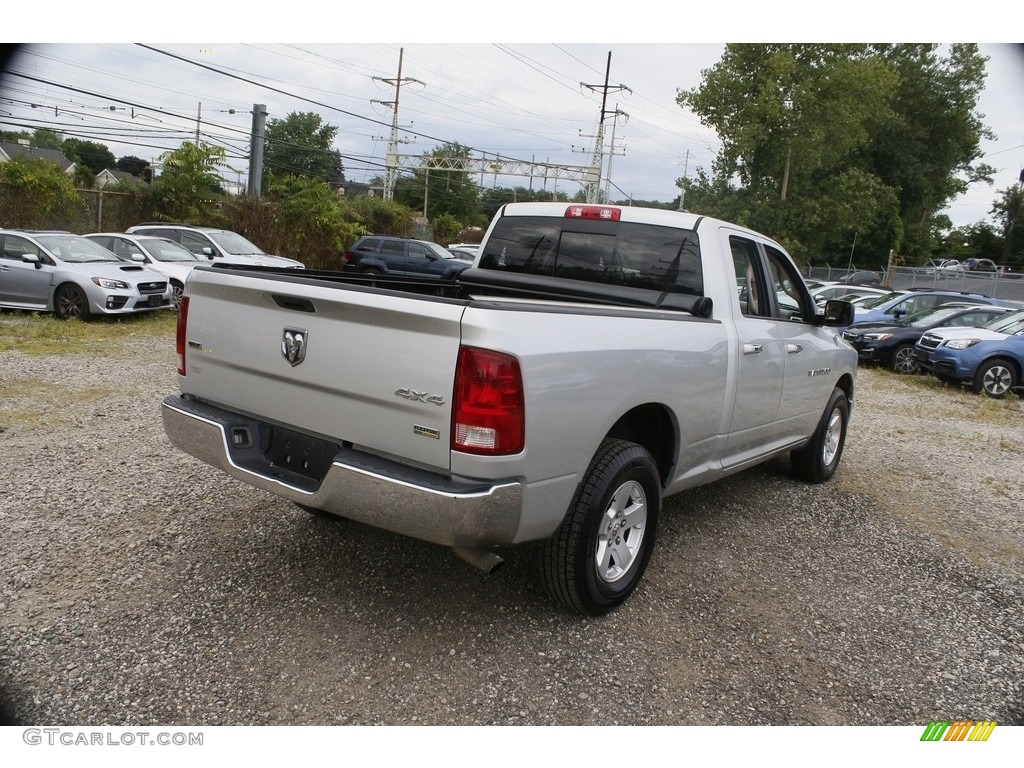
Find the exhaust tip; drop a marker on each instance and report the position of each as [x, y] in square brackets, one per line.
[481, 559]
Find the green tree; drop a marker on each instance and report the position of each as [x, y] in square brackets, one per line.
[302, 144]
[33, 188]
[96, 157]
[189, 184]
[316, 221]
[47, 138]
[1009, 213]
[133, 165]
[435, 192]
[382, 217]
[822, 144]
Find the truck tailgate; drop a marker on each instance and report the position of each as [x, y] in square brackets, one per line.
[377, 370]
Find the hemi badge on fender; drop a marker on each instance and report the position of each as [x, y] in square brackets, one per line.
[426, 432]
[819, 372]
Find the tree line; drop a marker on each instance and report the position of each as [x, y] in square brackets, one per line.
[841, 152]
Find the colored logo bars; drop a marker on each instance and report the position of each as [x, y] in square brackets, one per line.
[958, 730]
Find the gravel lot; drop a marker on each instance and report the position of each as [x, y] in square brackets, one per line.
[140, 587]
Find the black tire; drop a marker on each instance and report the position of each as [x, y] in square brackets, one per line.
[616, 502]
[371, 271]
[904, 359]
[71, 301]
[995, 377]
[817, 461]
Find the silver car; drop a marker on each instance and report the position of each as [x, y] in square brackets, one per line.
[157, 253]
[72, 276]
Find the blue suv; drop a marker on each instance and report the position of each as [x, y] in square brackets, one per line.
[380, 255]
[898, 304]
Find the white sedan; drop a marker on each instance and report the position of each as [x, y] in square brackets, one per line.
[158, 253]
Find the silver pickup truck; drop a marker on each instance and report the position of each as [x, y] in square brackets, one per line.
[594, 360]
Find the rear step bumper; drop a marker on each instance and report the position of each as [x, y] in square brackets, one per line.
[349, 483]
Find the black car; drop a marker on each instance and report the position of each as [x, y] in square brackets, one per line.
[863, 277]
[380, 255]
[892, 343]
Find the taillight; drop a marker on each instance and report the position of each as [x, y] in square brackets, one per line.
[600, 212]
[179, 340]
[346, 257]
[488, 416]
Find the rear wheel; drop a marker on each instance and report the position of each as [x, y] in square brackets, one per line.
[904, 359]
[995, 377]
[817, 461]
[596, 558]
[71, 301]
[371, 271]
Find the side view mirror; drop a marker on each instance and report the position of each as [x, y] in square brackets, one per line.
[208, 252]
[31, 258]
[139, 258]
[838, 314]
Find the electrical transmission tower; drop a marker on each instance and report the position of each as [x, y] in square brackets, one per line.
[592, 188]
[391, 163]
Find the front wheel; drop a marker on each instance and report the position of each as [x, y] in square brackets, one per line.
[995, 377]
[71, 301]
[596, 558]
[177, 291]
[818, 460]
[904, 359]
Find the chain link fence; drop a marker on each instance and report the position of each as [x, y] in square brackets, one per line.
[1007, 286]
[93, 210]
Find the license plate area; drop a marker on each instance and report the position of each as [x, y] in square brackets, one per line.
[292, 457]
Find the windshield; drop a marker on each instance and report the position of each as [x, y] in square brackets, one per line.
[1011, 323]
[233, 243]
[76, 250]
[166, 250]
[928, 317]
[880, 300]
[437, 250]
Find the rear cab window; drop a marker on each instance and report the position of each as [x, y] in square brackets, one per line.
[664, 259]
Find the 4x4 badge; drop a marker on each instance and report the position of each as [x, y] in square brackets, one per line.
[293, 345]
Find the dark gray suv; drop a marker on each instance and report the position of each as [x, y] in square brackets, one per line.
[381, 255]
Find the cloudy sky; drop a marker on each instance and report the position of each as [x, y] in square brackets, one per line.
[528, 101]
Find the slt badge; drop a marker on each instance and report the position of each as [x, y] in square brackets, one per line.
[293, 345]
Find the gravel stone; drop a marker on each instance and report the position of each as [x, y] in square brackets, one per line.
[139, 586]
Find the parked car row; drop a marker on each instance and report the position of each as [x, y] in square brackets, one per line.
[892, 342]
[960, 337]
[107, 273]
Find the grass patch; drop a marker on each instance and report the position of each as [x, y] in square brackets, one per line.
[35, 333]
[29, 402]
[945, 400]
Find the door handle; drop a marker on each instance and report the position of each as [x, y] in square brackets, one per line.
[752, 349]
[792, 349]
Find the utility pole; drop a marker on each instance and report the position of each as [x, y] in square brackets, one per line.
[391, 163]
[199, 117]
[593, 186]
[256, 143]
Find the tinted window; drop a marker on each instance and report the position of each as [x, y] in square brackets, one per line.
[622, 253]
[196, 243]
[393, 248]
[15, 247]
